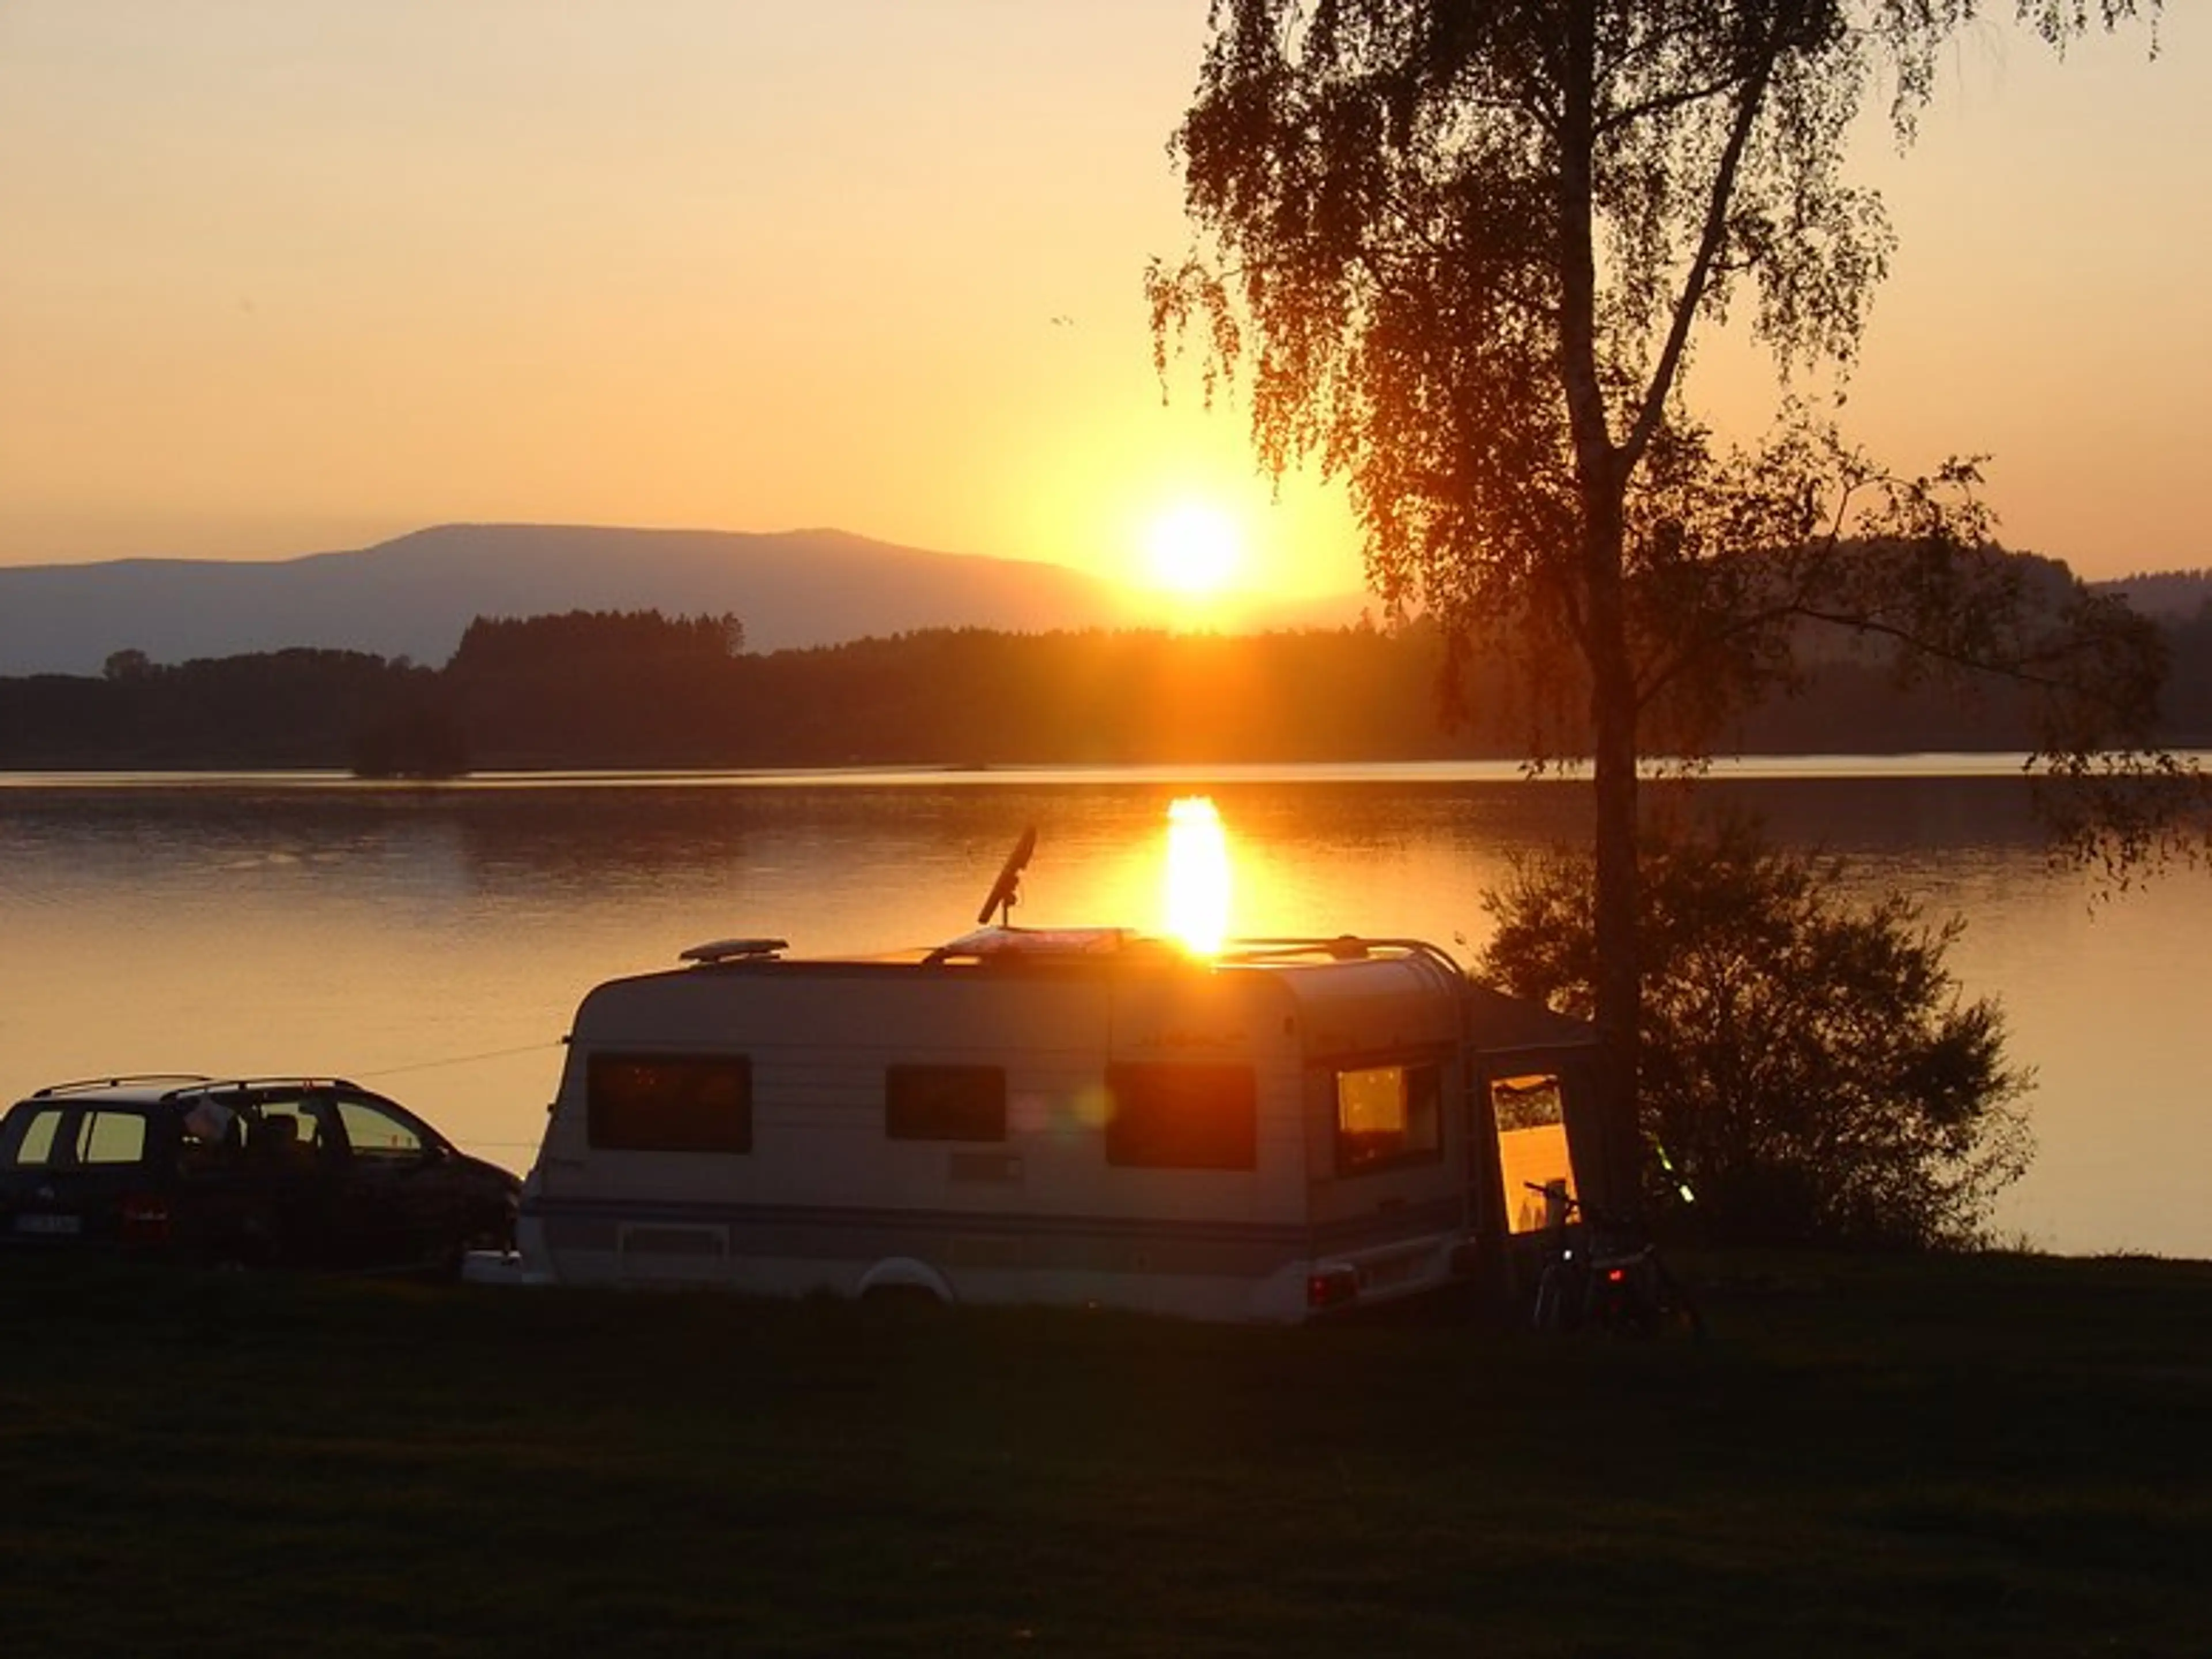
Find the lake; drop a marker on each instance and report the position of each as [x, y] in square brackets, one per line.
[432, 942]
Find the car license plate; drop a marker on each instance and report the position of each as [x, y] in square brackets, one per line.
[51, 1225]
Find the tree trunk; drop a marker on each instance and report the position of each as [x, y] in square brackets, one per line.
[1614, 749]
[1601, 471]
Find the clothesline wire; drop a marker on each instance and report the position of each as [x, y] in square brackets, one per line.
[461, 1060]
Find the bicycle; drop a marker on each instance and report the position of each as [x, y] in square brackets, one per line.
[1606, 1275]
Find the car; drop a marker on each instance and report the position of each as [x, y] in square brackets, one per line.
[310, 1173]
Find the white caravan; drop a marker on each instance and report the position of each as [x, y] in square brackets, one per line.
[1284, 1129]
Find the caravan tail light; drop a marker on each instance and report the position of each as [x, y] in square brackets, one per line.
[1331, 1287]
[145, 1219]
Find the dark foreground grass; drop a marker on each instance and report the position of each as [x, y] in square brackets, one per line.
[1971, 1456]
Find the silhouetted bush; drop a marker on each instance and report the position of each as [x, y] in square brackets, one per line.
[1809, 1067]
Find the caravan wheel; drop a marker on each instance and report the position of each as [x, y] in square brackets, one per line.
[905, 1286]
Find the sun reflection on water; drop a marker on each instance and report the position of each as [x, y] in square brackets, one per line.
[1198, 884]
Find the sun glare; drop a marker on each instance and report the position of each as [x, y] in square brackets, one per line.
[1197, 896]
[1195, 550]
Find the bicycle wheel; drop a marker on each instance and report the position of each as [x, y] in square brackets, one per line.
[1672, 1306]
[1548, 1312]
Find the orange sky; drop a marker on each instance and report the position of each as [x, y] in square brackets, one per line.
[284, 276]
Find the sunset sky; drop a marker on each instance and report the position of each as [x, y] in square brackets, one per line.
[284, 276]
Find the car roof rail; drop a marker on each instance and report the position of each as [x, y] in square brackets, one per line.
[212, 1085]
[120, 1080]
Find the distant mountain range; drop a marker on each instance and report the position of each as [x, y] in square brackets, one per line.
[414, 596]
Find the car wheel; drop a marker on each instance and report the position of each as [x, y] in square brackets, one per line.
[237, 1255]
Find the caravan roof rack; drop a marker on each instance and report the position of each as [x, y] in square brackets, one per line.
[1000, 943]
[1340, 947]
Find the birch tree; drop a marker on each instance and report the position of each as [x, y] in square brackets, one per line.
[1459, 252]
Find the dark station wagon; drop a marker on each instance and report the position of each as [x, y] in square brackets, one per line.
[280, 1172]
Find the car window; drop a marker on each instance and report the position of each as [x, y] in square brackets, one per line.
[283, 1133]
[111, 1137]
[212, 1138]
[374, 1131]
[34, 1147]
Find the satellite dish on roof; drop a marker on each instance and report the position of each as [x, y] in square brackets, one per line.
[1005, 890]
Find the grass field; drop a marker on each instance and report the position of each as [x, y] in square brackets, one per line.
[1977, 1455]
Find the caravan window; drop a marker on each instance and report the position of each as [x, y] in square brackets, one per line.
[1389, 1115]
[670, 1103]
[1183, 1117]
[944, 1103]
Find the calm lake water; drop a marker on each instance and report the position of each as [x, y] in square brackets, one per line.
[432, 942]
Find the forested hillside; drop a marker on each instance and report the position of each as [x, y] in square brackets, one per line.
[639, 690]
[2169, 595]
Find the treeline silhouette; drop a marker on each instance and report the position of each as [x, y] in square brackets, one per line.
[635, 688]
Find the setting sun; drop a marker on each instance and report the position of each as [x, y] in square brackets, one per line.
[1195, 550]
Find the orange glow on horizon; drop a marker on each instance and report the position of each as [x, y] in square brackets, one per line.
[510, 307]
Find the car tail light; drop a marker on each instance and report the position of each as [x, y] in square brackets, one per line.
[1331, 1287]
[145, 1219]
